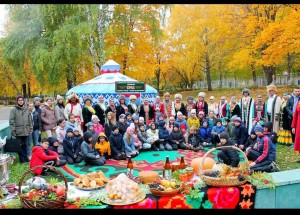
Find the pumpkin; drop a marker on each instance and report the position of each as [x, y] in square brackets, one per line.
[196, 162]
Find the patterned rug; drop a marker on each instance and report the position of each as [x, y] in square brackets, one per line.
[147, 160]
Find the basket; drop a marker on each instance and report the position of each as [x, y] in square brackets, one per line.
[225, 181]
[47, 203]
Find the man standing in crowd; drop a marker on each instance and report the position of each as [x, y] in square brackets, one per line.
[246, 105]
[21, 126]
[169, 107]
[73, 106]
[273, 107]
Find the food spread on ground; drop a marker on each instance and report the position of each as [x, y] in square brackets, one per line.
[89, 181]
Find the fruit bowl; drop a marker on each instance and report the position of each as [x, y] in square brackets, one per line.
[165, 188]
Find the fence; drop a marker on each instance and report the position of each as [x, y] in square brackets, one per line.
[281, 80]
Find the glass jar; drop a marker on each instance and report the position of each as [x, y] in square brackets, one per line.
[190, 173]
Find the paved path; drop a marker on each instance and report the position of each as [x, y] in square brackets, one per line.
[4, 112]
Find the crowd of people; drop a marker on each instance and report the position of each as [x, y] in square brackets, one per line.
[96, 133]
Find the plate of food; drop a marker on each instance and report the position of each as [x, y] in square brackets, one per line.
[90, 181]
[122, 191]
[165, 188]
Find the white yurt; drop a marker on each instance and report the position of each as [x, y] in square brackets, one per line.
[105, 85]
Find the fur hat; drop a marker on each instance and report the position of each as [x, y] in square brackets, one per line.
[246, 90]
[202, 94]
[258, 128]
[36, 99]
[193, 111]
[58, 97]
[157, 97]
[95, 117]
[132, 97]
[87, 98]
[190, 98]
[73, 95]
[212, 98]
[122, 97]
[178, 96]
[224, 135]
[166, 94]
[271, 87]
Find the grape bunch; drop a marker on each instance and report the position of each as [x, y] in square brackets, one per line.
[241, 177]
[215, 174]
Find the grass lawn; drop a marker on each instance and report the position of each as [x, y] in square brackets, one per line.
[285, 157]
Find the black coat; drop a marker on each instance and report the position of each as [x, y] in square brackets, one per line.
[194, 139]
[151, 112]
[289, 107]
[87, 117]
[116, 143]
[122, 127]
[100, 113]
[231, 153]
[37, 122]
[241, 134]
[120, 110]
[69, 148]
[176, 136]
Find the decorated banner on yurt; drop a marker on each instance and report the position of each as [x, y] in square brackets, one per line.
[112, 84]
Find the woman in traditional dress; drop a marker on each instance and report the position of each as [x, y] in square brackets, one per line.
[190, 105]
[284, 134]
[132, 106]
[122, 108]
[146, 111]
[179, 106]
[87, 112]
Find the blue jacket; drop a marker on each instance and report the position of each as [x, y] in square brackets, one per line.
[129, 147]
[205, 134]
[163, 133]
[266, 149]
[71, 146]
[217, 130]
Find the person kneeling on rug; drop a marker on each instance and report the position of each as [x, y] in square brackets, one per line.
[117, 144]
[262, 153]
[90, 155]
[228, 156]
[42, 156]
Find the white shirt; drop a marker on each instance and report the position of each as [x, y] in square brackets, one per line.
[270, 104]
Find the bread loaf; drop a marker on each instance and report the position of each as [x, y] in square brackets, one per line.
[148, 177]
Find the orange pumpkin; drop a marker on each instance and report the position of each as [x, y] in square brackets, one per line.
[196, 162]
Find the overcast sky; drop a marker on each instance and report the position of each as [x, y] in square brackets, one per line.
[3, 18]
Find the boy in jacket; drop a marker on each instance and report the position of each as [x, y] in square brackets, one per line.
[71, 148]
[117, 144]
[228, 156]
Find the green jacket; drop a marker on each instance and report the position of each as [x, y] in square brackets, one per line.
[20, 121]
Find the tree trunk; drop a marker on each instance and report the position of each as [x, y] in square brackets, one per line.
[254, 77]
[207, 71]
[124, 64]
[101, 26]
[28, 88]
[7, 74]
[220, 75]
[24, 90]
[269, 71]
[289, 67]
[71, 78]
[92, 46]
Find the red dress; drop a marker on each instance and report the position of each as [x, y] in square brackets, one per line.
[296, 125]
[39, 157]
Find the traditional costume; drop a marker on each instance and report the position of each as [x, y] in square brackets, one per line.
[247, 105]
[273, 108]
[169, 107]
[159, 108]
[178, 105]
[202, 105]
[74, 108]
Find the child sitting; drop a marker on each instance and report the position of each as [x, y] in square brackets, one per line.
[143, 137]
[117, 144]
[216, 131]
[90, 155]
[194, 142]
[205, 134]
[53, 146]
[152, 133]
[128, 139]
[103, 146]
[228, 156]
[42, 156]
[182, 128]
[177, 139]
[128, 118]
[193, 120]
[90, 127]
[71, 148]
[252, 139]
[164, 138]
[122, 124]
[77, 135]
[98, 128]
